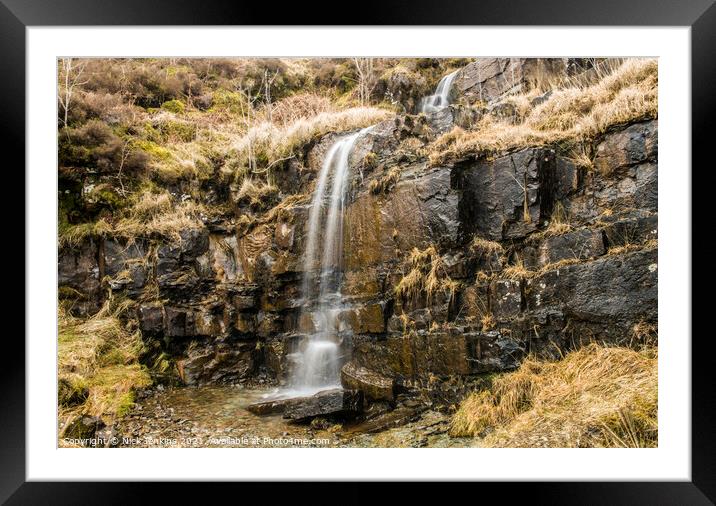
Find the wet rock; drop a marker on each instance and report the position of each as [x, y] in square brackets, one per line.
[328, 403]
[414, 355]
[179, 322]
[632, 145]
[269, 407]
[396, 418]
[193, 242]
[126, 265]
[420, 210]
[373, 385]
[151, 318]
[367, 319]
[494, 351]
[222, 259]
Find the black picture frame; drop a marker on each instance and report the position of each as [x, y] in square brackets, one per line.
[700, 15]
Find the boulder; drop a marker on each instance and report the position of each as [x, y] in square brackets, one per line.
[373, 385]
[336, 402]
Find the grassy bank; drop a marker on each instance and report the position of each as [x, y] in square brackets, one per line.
[596, 396]
[98, 364]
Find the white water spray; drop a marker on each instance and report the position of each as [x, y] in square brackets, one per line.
[441, 98]
[317, 362]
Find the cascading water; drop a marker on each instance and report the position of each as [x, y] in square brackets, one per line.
[316, 363]
[441, 98]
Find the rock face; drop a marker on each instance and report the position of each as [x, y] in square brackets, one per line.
[535, 254]
[488, 79]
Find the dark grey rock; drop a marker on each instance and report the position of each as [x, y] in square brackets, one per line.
[218, 362]
[151, 318]
[577, 245]
[336, 402]
[632, 145]
[505, 298]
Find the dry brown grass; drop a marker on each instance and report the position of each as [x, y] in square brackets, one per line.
[558, 225]
[98, 368]
[386, 183]
[596, 396]
[74, 235]
[157, 215]
[427, 277]
[485, 247]
[150, 214]
[256, 193]
[629, 93]
[269, 143]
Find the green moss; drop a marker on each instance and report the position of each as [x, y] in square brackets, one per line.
[154, 150]
[177, 130]
[175, 106]
[228, 101]
[125, 403]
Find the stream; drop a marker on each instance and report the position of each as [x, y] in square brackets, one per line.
[216, 416]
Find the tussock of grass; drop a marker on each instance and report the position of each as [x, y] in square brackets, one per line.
[256, 193]
[519, 271]
[596, 396]
[627, 94]
[484, 247]
[269, 143]
[427, 277]
[157, 215]
[74, 235]
[98, 356]
[386, 183]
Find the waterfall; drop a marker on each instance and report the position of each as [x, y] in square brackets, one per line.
[317, 361]
[441, 98]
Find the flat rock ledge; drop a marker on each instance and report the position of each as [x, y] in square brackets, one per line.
[336, 402]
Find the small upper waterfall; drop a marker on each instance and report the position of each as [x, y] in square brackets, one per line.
[317, 361]
[441, 98]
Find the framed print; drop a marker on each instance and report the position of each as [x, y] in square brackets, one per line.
[423, 247]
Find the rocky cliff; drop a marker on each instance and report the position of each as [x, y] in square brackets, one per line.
[460, 259]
